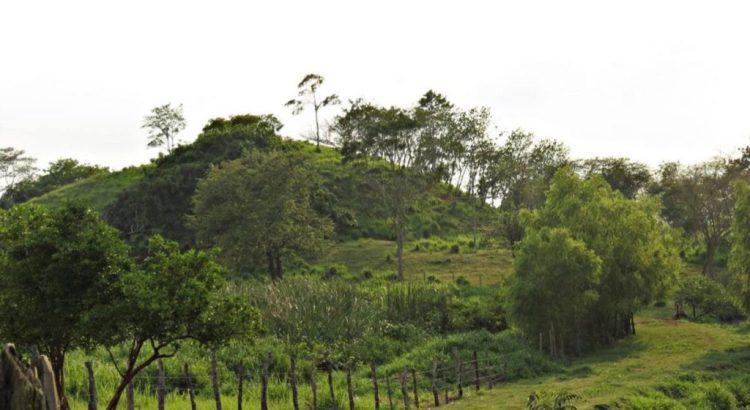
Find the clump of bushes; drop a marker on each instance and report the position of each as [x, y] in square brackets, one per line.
[700, 297]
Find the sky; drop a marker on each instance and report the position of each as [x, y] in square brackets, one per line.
[653, 81]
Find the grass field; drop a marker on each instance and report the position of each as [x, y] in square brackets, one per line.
[484, 266]
[641, 372]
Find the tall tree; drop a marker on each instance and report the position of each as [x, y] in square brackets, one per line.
[57, 268]
[15, 166]
[739, 256]
[171, 298]
[629, 177]
[308, 94]
[699, 199]
[408, 142]
[260, 209]
[163, 124]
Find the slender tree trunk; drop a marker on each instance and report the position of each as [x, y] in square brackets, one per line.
[389, 390]
[264, 382]
[215, 379]
[334, 402]
[313, 388]
[476, 370]
[435, 394]
[130, 396]
[190, 387]
[405, 390]
[414, 387]
[57, 359]
[400, 250]
[708, 264]
[349, 388]
[240, 385]
[293, 380]
[92, 386]
[375, 392]
[161, 389]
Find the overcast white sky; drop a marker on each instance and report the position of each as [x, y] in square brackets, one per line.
[666, 80]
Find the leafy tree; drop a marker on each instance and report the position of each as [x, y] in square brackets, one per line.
[638, 254]
[699, 199]
[58, 268]
[163, 124]
[260, 209]
[171, 298]
[158, 203]
[629, 177]
[308, 95]
[554, 287]
[15, 166]
[61, 172]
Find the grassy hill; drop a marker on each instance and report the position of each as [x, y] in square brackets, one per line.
[98, 191]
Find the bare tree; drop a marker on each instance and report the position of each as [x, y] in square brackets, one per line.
[163, 125]
[308, 95]
[15, 166]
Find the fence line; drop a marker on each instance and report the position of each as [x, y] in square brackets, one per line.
[446, 382]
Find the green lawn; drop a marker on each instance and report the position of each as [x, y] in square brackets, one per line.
[662, 351]
[485, 266]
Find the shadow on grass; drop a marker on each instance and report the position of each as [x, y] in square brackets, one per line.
[735, 359]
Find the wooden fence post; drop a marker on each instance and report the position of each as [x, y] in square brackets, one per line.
[215, 379]
[435, 395]
[293, 380]
[476, 370]
[190, 388]
[404, 390]
[349, 389]
[130, 396]
[414, 387]
[240, 383]
[92, 385]
[313, 388]
[459, 370]
[161, 387]
[264, 382]
[390, 391]
[374, 376]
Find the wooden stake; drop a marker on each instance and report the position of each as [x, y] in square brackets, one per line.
[293, 380]
[190, 387]
[349, 389]
[240, 383]
[390, 391]
[414, 387]
[404, 389]
[264, 382]
[313, 388]
[476, 370]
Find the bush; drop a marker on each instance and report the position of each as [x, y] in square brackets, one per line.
[704, 297]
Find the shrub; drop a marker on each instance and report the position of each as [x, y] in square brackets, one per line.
[704, 297]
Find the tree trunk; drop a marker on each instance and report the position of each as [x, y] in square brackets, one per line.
[57, 359]
[161, 389]
[215, 379]
[349, 389]
[190, 387]
[130, 396]
[334, 402]
[435, 395]
[313, 388]
[279, 269]
[476, 370]
[92, 386]
[264, 382]
[375, 392]
[240, 383]
[404, 389]
[414, 387]
[400, 251]
[389, 390]
[293, 380]
[708, 264]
